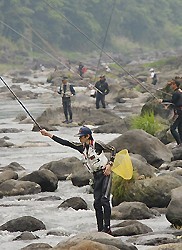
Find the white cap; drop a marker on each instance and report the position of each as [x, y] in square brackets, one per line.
[151, 70]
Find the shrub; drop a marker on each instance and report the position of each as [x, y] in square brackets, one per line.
[147, 122]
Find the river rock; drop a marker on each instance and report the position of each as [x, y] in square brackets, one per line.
[174, 209]
[22, 224]
[131, 211]
[63, 168]
[102, 238]
[37, 246]
[7, 175]
[17, 187]
[139, 142]
[130, 227]
[74, 202]
[45, 178]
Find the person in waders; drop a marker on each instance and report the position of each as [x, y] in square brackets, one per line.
[66, 90]
[102, 90]
[96, 162]
[176, 127]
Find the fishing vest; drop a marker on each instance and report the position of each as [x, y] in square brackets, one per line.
[67, 93]
[92, 161]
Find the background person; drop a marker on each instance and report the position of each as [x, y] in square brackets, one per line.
[96, 162]
[66, 91]
[102, 90]
[177, 102]
[153, 76]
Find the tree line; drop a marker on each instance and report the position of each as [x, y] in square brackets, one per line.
[134, 23]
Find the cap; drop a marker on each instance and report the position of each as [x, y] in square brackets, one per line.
[151, 70]
[64, 78]
[84, 131]
[102, 76]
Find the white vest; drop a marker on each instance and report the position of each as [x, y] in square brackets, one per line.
[92, 161]
[68, 92]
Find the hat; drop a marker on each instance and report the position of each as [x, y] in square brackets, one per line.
[102, 76]
[151, 70]
[84, 131]
[64, 78]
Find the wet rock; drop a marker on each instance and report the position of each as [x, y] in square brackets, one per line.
[63, 168]
[45, 178]
[129, 228]
[154, 192]
[81, 178]
[22, 224]
[4, 143]
[37, 246]
[26, 236]
[174, 209]
[131, 211]
[14, 166]
[7, 175]
[17, 187]
[102, 238]
[139, 142]
[74, 202]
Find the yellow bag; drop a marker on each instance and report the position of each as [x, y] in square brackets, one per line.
[122, 165]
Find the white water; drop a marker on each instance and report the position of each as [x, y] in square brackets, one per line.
[68, 221]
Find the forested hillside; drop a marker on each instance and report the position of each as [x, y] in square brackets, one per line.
[134, 23]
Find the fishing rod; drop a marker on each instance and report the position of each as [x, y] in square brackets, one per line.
[94, 43]
[23, 106]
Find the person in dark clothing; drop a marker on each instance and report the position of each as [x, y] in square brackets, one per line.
[102, 90]
[177, 103]
[96, 162]
[66, 91]
[80, 69]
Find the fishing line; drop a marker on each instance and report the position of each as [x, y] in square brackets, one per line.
[23, 106]
[104, 41]
[103, 51]
[50, 55]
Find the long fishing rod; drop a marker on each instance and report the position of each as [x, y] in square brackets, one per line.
[20, 102]
[103, 51]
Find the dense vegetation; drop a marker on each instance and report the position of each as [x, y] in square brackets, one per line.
[134, 23]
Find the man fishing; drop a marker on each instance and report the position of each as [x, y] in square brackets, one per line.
[102, 90]
[97, 163]
[66, 91]
[177, 103]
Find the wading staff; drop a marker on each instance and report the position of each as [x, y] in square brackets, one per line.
[23, 106]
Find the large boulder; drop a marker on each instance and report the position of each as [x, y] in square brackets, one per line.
[131, 211]
[102, 238]
[139, 142]
[45, 178]
[154, 192]
[22, 224]
[17, 187]
[64, 167]
[130, 227]
[174, 209]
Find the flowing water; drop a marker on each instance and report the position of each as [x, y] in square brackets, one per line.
[42, 150]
